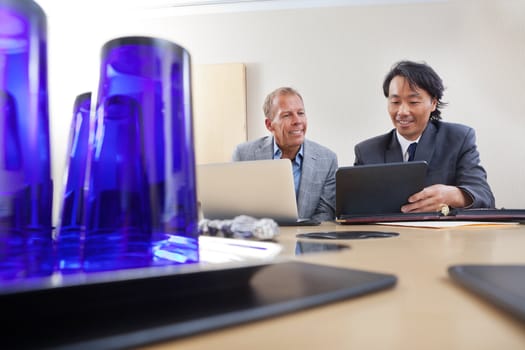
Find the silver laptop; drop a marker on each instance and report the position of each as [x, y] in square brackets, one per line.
[259, 188]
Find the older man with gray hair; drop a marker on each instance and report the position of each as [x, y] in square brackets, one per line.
[314, 166]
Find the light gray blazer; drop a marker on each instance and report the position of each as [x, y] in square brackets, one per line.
[316, 198]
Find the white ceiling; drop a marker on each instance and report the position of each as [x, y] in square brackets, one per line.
[188, 7]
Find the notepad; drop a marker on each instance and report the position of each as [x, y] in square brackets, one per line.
[449, 223]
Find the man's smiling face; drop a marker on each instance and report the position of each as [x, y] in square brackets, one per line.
[409, 107]
[289, 123]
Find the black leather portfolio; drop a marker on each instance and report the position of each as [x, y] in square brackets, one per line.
[517, 215]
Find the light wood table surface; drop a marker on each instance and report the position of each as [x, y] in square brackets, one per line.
[425, 310]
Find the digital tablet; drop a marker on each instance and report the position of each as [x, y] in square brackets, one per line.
[501, 285]
[377, 189]
[156, 306]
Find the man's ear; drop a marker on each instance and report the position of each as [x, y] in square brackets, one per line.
[434, 104]
[268, 124]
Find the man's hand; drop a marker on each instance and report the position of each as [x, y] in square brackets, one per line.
[433, 198]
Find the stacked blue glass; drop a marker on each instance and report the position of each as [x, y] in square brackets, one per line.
[69, 237]
[72, 210]
[141, 200]
[26, 188]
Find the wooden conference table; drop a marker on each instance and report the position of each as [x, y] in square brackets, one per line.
[425, 310]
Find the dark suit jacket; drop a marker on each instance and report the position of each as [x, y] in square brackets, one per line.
[450, 151]
[316, 198]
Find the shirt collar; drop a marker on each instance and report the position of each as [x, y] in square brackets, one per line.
[404, 143]
[277, 153]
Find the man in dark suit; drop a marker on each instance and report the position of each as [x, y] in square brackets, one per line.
[455, 177]
[313, 165]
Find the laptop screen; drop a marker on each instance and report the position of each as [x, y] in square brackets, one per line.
[259, 188]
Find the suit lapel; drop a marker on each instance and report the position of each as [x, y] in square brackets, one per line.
[425, 148]
[307, 174]
[264, 149]
[393, 150]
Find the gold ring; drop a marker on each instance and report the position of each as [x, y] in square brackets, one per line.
[444, 209]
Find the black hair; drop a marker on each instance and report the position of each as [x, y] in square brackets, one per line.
[419, 75]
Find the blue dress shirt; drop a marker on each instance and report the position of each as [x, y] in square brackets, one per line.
[297, 163]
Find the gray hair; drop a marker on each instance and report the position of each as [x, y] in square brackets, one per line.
[268, 101]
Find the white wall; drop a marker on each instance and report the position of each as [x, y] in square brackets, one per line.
[337, 58]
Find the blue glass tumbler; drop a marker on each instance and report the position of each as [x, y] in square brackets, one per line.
[72, 208]
[26, 189]
[142, 166]
[69, 234]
